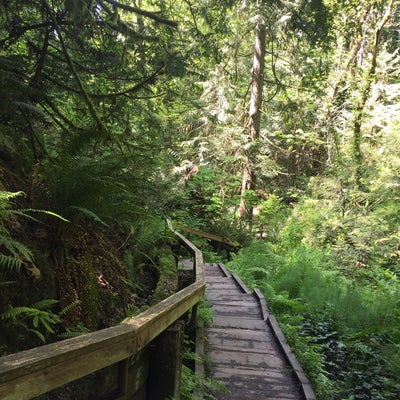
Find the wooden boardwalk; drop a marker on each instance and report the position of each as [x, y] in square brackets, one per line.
[245, 348]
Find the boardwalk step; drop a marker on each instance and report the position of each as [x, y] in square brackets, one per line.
[241, 346]
[237, 322]
[237, 310]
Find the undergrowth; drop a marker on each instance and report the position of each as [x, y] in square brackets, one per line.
[340, 316]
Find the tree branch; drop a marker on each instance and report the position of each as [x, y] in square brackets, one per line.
[125, 92]
[71, 65]
[147, 14]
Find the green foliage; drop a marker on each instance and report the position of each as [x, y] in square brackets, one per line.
[212, 195]
[271, 216]
[256, 263]
[39, 321]
[205, 313]
[344, 333]
[198, 387]
[12, 252]
[99, 104]
[35, 319]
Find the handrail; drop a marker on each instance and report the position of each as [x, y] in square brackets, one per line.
[36, 371]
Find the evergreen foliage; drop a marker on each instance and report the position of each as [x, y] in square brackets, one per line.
[114, 116]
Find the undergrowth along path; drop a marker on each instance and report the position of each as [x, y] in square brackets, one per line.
[245, 348]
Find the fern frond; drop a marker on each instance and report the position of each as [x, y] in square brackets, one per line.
[53, 214]
[15, 311]
[40, 305]
[16, 248]
[257, 270]
[91, 215]
[69, 307]
[10, 263]
[38, 334]
[5, 196]
[74, 332]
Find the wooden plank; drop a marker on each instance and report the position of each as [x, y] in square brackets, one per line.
[211, 236]
[241, 284]
[222, 373]
[233, 343]
[242, 323]
[234, 346]
[222, 296]
[242, 345]
[248, 302]
[238, 310]
[166, 353]
[230, 285]
[263, 303]
[223, 269]
[245, 358]
[222, 291]
[239, 334]
[306, 387]
[217, 279]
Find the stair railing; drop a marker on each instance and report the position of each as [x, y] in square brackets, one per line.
[33, 372]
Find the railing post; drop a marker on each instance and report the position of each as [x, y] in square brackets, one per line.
[123, 368]
[165, 368]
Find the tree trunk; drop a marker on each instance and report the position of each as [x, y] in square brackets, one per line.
[249, 175]
[366, 90]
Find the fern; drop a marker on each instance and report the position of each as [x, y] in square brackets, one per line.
[44, 303]
[24, 211]
[15, 248]
[36, 316]
[91, 215]
[78, 330]
[69, 308]
[10, 262]
[13, 312]
[13, 253]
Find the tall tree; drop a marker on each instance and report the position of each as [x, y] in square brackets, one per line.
[256, 96]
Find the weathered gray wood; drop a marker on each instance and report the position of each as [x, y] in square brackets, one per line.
[242, 347]
[123, 369]
[217, 279]
[249, 311]
[166, 354]
[241, 284]
[250, 358]
[216, 295]
[237, 322]
[216, 340]
[223, 286]
[222, 292]
[263, 303]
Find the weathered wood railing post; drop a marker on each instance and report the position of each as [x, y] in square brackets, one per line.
[166, 353]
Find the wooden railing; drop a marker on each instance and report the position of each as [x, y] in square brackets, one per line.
[33, 372]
